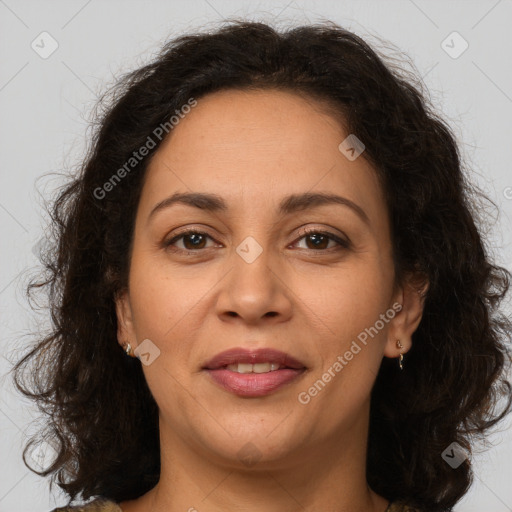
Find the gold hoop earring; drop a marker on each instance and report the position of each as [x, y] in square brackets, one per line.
[401, 357]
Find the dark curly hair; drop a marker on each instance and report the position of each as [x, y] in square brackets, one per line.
[454, 387]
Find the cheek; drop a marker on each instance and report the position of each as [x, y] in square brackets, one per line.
[162, 297]
[347, 300]
[351, 347]
[169, 308]
[349, 304]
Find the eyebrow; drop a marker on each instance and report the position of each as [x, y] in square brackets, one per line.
[290, 204]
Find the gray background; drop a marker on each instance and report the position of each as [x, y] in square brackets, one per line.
[46, 103]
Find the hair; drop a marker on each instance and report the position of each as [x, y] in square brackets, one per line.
[100, 415]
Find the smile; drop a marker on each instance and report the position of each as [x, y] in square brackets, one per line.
[253, 373]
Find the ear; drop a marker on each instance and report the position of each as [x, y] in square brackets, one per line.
[411, 295]
[125, 324]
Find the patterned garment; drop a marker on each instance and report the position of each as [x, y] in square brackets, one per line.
[399, 506]
[98, 505]
[103, 505]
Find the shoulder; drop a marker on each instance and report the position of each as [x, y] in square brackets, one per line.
[399, 506]
[97, 505]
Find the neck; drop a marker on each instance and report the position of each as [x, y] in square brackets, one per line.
[327, 476]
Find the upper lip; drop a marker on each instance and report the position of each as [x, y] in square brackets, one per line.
[261, 355]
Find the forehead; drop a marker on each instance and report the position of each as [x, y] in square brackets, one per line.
[238, 126]
[255, 147]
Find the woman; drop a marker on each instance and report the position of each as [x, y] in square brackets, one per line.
[277, 231]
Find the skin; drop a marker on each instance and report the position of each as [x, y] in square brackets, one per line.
[307, 301]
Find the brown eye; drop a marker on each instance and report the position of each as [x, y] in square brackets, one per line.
[191, 240]
[194, 241]
[318, 240]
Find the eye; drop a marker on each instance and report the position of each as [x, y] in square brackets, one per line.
[191, 240]
[322, 240]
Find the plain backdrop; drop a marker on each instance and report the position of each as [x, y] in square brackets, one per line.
[461, 49]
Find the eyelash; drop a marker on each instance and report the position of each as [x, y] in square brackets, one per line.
[342, 244]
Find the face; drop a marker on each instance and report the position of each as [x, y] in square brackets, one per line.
[289, 249]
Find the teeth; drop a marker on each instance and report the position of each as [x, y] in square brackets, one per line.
[243, 368]
[253, 368]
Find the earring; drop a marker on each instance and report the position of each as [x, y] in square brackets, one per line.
[401, 358]
[128, 350]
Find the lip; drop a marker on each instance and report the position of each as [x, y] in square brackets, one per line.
[253, 385]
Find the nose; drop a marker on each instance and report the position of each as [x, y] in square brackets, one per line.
[255, 292]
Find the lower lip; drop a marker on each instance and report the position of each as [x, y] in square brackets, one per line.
[253, 384]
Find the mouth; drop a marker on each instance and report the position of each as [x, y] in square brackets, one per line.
[253, 373]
